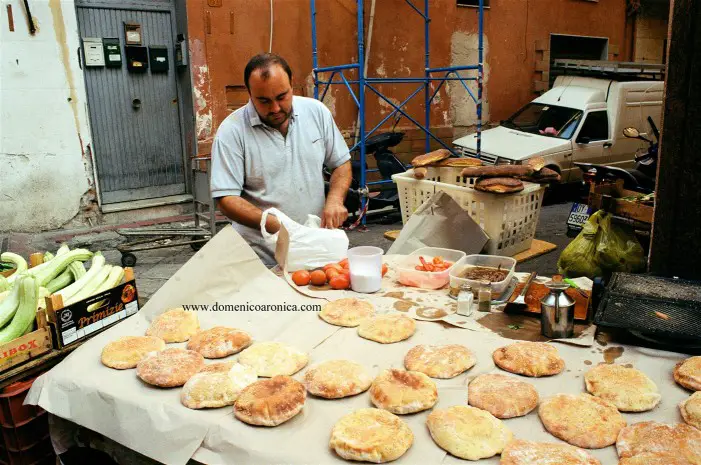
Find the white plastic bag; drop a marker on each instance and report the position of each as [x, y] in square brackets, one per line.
[310, 246]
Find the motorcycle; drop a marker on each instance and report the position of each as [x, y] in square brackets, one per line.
[641, 178]
[388, 164]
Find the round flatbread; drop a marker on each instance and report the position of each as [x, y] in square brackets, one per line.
[219, 342]
[387, 329]
[270, 402]
[220, 367]
[169, 367]
[581, 420]
[216, 389]
[274, 358]
[533, 359]
[371, 435]
[680, 441]
[651, 458]
[347, 312]
[468, 432]
[127, 351]
[691, 410]
[630, 390]
[688, 373]
[403, 392]
[519, 452]
[174, 325]
[446, 361]
[501, 395]
[334, 379]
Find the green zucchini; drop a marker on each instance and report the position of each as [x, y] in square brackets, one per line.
[4, 284]
[63, 249]
[26, 310]
[113, 279]
[48, 256]
[17, 260]
[77, 270]
[98, 261]
[60, 281]
[56, 266]
[89, 289]
[9, 305]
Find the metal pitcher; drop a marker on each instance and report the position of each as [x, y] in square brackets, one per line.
[557, 312]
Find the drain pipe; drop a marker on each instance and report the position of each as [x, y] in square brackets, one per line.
[365, 65]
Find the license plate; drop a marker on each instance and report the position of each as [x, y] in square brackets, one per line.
[578, 215]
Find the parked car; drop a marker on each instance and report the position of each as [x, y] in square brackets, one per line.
[581, 119]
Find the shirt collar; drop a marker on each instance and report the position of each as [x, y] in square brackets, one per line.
[255, 119]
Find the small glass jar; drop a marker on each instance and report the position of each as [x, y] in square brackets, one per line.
[484, 297]
[465, 299]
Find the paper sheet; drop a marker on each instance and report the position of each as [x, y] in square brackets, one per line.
[153, 422]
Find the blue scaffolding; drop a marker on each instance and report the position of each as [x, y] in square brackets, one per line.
[451, 73]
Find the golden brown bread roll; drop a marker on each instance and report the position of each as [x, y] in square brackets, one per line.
[544, 175]
[430, 158]
[496, 171]
[420, 173]
[460, 162]
[499, 185]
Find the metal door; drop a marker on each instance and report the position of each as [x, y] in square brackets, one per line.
[134, 117]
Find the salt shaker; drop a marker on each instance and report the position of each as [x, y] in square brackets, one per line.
[465, 299]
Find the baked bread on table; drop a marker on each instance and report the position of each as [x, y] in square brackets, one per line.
[629, 389]
[273, 358]
[126, 352]
[446, 361]
[219, 342]
[687, 373]
[529, 359]
[270, 402]
[402, 392]
[691, 410]
[216, 389]
[496, 171]
[371, 435]
[348, 312]
[459, 162]
[501, 395]
[387, 329]
[335, 379]
[174, 325]
[169, 367]
[679, 441]
[499, 185]
[520, 452]
[468, 432]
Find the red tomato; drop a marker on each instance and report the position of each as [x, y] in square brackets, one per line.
[318, 277]
[301, 277]
[340, 282]
[384, 269]
[331, 272]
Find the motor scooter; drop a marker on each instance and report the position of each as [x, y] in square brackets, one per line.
[388, 164]
[641, 178]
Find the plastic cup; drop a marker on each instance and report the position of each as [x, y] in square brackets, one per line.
[365, 266]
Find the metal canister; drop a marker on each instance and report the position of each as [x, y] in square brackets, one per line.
[557, 312]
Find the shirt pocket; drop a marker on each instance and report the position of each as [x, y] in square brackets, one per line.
[317, 145]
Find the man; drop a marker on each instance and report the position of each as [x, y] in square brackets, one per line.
[271, 152]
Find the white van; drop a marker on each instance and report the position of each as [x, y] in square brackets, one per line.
[581, 119]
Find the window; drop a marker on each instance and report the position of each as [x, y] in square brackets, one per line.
[546, 120]
[595, 127]
[475, 3]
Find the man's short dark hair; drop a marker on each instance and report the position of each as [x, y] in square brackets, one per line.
[265, 61]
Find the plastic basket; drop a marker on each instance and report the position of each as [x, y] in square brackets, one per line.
[510, 220]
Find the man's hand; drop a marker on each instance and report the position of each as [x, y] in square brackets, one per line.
[334, 214]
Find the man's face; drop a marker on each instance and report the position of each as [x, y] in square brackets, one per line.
[271, 94]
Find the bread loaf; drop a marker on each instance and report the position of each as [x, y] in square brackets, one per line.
[499, 185]
[430, 158]
[420, 173]
[544, 175]
[496, 171]
[459, 162]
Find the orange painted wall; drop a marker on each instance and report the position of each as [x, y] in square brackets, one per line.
[223, 38]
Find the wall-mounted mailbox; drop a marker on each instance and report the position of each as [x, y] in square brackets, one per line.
[92, 49]
[158, 56]
[137, 59]
[113, 53]
[132, 33]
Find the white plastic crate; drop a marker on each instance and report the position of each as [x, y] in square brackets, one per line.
[510, 220]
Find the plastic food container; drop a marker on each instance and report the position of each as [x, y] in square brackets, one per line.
[487, 261]
[365, 265]
[410, 276]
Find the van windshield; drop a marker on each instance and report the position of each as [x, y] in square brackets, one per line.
[546, 120]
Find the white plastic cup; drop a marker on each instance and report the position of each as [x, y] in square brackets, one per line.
[365, 266]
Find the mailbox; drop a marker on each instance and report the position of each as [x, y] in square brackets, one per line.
[158, 56]
[137, 58]
[113, 53]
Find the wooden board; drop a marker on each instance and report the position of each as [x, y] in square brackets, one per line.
[537, 291]
[25, 348]
[537, 249]
[392, 235]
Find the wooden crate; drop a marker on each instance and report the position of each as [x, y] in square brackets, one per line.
[27, 347]
[608, 197]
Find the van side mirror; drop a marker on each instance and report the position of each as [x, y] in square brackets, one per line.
[583, 140]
